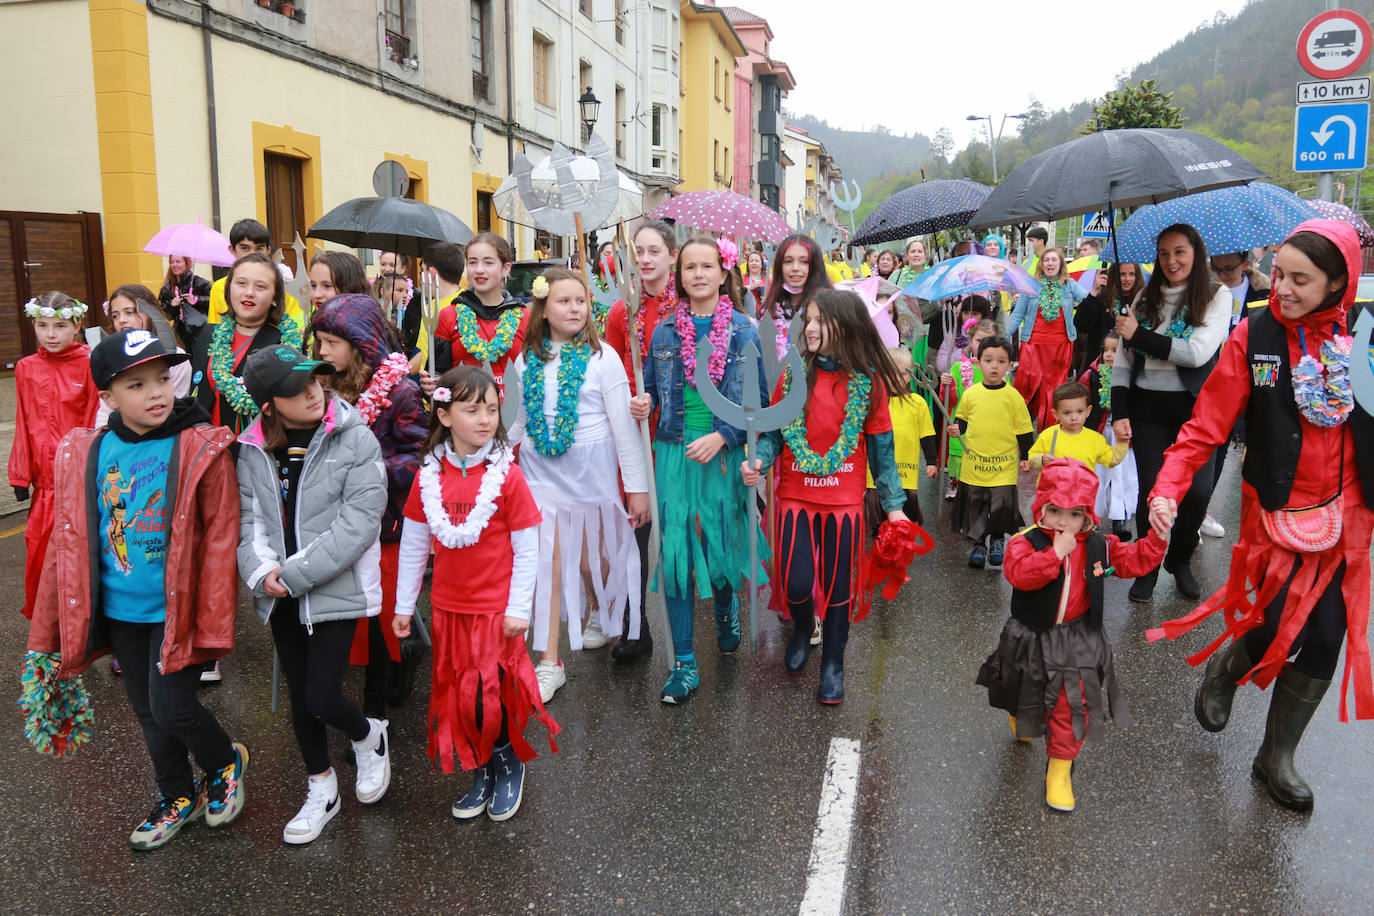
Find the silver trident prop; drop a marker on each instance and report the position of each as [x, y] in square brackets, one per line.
[753, 418]
[558, 213]
[928, 379]
[1361, 370]
[429, 313]
[849, 201]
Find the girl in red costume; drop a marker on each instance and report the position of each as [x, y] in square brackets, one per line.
[1054, 645]
[485, 324]
[844, 430]
[1299, 583]
[1044, 325]
[56, 395]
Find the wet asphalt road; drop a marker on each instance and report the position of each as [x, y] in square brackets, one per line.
[710, 808]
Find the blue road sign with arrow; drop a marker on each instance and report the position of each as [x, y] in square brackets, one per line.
[1331, 138]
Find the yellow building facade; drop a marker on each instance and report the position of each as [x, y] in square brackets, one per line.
[709, 48]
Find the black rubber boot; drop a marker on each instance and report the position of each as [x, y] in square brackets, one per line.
[1183, 578]
[629, 649]
[1296, 698]
[1212, 705]
[799, 643]
[834, 638]
[1143, 588]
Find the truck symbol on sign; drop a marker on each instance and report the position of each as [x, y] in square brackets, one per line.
[1335, 43]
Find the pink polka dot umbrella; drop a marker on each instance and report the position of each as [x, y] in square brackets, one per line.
[724, 211]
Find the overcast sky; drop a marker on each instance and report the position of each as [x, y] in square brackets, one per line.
[919, 65]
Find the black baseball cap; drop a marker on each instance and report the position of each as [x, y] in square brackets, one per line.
[120, 352]
[280, 372]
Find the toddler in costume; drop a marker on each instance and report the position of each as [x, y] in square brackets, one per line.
[996, 428]
[1053, 663]
[471, 505]
[913, 438]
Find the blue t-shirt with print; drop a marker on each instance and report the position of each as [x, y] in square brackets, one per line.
[131, 485]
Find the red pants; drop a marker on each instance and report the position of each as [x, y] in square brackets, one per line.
[1059, 740]
[358, 655]
[1044, 365]
[36, 533]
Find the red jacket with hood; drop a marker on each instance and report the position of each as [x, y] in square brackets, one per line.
[56, 394]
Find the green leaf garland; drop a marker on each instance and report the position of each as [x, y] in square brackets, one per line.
[572, 371]
[487, 351]
[855, 412]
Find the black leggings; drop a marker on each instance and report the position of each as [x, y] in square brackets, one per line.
[1149, 442]
[836, 549]
[1318, 644]
[377, 673]
[314, 665]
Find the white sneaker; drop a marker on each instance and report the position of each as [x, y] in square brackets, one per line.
[1211, 527]
[816, 633]
[373, 759]
[321, 804]
[550, 676]
[593, 637]
[211, 675]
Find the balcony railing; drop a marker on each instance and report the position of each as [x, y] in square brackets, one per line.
[481, 86]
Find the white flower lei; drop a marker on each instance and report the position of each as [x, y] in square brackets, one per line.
[374, 399]
[71, 313]
[431, 499]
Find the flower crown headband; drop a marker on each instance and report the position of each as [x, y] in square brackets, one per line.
[72, 312]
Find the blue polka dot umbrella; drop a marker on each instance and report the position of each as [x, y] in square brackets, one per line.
[726, 212]
[1229, 220]
[926, 207]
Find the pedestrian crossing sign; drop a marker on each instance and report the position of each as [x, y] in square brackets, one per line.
[1097, 225]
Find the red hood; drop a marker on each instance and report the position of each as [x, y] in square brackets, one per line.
[1066, 482]
[1344, 237]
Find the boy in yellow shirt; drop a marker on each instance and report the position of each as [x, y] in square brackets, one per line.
[248, 236]
[913, 437]
[1068, 439]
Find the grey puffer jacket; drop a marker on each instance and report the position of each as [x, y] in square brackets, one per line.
[336, 571]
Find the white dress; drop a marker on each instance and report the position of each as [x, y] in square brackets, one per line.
[578, 494]
[1120, 489]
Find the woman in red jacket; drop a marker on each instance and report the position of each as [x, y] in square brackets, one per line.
[1300, 573]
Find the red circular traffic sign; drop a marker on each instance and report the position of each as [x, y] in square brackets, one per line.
[1334, 44]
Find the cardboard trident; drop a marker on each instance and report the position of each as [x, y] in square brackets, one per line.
[567, 212]
[1362, 362]
[928, 379]
[848, 202]
[753, 418]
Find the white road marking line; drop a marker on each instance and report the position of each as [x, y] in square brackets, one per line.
[825, 872]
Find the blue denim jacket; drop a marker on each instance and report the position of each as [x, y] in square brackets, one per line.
[1027, 312]
[663, 378]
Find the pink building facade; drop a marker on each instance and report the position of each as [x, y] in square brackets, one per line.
[760, 86]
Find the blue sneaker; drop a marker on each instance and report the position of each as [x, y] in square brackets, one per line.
[165, 821]
[727, 626]
[978, 557]
[995, 552]
[509, 784]
[474, 801]
[223, 790]
[683, 682]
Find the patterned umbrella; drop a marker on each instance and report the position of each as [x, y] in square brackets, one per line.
[1331, 210]
[194, 241]
[926, 207]
[1228, 219]
[972, 273]
[724, 211]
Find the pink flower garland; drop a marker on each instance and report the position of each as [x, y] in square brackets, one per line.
[374, 400]
[720, 329]
[966, 373]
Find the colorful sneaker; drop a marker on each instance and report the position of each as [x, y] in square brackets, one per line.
[683, 682]
[372, 756]
[165, 821]
[474, 801]
[509, 775]
[593, 637]
[995, 553]
[321, 804]
[550, 676]
[211, 675]
[224, 797]
[978, 557]
[952, 491]
[727, 626]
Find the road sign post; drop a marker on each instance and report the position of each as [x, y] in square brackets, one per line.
[1331, 138]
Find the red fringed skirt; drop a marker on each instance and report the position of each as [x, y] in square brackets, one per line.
[825, 525]
[1045, 361]
[477, 672]
[359, 652]
[1259, 568]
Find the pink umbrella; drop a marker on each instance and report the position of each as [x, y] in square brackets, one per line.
[724, 211]
[194, 241]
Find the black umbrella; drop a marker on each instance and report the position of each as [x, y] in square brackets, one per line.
[390, 224]
[926, 207]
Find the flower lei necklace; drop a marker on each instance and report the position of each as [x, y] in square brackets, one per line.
[663, 303]
[1051, 299]
[855, 410]
[966, 367]
[1104, 387]
[720, 330]
[1321, 384]
[374, 399]
[221, 356]
[431, 499]
[487, 351]
[572, 370]
[599, 315]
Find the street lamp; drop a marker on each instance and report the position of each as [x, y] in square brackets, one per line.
[591, 107]
[994, 140]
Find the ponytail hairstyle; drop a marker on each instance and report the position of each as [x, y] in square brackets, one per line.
[537, 333]
[466, 384]
[779, 299]
[1198, 289]
[730, 284]
[854, 341]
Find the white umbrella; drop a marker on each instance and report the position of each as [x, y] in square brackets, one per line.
[587, 174]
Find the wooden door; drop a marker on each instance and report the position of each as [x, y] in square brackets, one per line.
[41, 252]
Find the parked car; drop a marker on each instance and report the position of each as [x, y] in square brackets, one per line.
[522, 274]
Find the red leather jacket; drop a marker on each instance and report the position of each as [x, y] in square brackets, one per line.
[201, 562]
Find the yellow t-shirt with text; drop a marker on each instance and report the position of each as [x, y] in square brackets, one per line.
[996, 416]
[1087, 445]
[911, 423]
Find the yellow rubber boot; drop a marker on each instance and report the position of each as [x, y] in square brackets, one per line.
[1059, 785]
[1013, 731]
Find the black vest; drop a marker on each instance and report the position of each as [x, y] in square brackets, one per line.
[1038, 609]
[1272, 422]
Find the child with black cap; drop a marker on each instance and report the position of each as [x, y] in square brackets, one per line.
[312, 490]
[141, 506]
